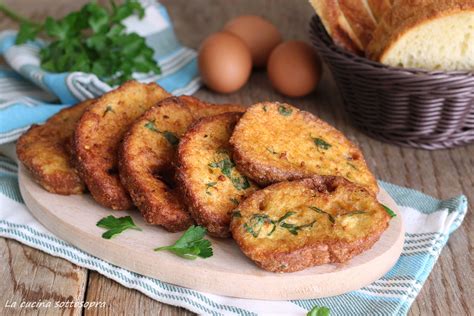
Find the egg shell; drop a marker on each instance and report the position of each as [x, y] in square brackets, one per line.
[260, 35]
[224, 62]
[294, 68]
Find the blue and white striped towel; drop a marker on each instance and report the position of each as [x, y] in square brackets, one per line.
[428, 223]
[30, 95]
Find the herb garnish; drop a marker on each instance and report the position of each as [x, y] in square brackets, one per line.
[352, 166]
[107, 110]
[320, 211]
[284, 110]
[321, 143]
[271, 150]
[234, 200]
[354, 213]
[116, 225]
[169, 136]
[265, 108]
[210, 185]
[319, 311]
[389, 211]
[256, 223]
[191, 245]
[236, 213]
[227, 166]
[92, 39]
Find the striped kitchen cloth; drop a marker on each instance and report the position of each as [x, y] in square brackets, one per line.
[428, 223]
[30, 95]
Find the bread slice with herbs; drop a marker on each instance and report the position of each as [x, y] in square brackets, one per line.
[432, 35]
[45, 151]
[276, 142]
[290, 226]
[207, 175]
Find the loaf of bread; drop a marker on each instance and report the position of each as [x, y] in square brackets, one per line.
[351, 23]
[426, 34]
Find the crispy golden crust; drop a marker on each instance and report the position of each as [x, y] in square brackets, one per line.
[407, 14]
[290, 226]
[359, 16]
[45, 151]
[200, 109]
[147, 152]
[211, 185]
[98, 135]
[337, 25]
[276, 142]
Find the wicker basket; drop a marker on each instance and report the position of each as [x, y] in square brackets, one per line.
[408, 107]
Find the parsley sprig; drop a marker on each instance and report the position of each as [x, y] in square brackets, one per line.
[191, 245]
[116, 225]
[319, 311]
[92, 39]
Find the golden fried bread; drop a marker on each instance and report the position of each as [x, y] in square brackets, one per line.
[276, 142]
[145, 157]
[211, 184]
[45, 151]
[98, 135]
[200, 109]
[290, 226]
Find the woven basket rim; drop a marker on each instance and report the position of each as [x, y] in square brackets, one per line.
[329, 43]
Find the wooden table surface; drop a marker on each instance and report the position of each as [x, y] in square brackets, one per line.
[27, 274]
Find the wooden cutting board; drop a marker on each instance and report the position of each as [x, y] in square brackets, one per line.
[228, 272]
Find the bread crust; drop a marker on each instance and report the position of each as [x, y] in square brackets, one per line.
[304, 146]
[337, 25]
[206, 172]
[360, 18]
[146, 159]
[290, 226]
[406, 15]
[45, 151]
[98, 135]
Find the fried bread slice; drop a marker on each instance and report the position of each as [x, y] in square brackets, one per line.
[276, 142]
[98, 135]
[146, 156]
[290, 226]
[200, 109]
[211, 184]
[45, 151]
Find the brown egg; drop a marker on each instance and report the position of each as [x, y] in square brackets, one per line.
[260, 35]
[294, 68]
[224, 62]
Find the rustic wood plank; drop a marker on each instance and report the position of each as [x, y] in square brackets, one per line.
[30, 276]
[442, 174]
[124, 301]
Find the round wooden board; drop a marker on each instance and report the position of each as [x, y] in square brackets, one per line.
[228, 272]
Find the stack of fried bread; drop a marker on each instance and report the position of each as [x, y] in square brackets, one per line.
[428, 34]
[288, 187]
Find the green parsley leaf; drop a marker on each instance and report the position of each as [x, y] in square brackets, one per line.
[208, 186]
[107, 110]
[320, 211]
[169, 136]
[284, 110]
[321, 143]
[389, 211]
[92, 39]
[319, 311]
[191, 245]
[116, 225]
[234, 201]
[227, 166]
[354, 213]
[236, 213]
